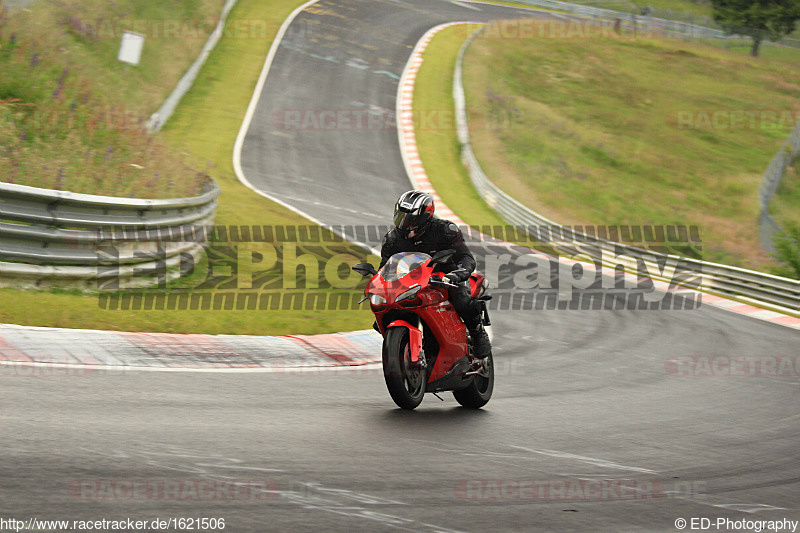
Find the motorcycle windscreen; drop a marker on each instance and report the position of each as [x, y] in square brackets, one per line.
[402, 264]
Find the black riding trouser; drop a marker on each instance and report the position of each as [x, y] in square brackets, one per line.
[468, 309]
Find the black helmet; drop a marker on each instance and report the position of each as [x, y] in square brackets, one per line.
[412, 213]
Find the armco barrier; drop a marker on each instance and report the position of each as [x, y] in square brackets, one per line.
[48, 235]
[725, 280]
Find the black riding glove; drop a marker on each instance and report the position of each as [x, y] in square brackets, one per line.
[457, 276]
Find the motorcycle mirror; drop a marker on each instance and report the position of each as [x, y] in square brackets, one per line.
[442, 256]
[365, 269]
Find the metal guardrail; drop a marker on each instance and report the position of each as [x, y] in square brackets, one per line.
[726, 280]
[48, 235]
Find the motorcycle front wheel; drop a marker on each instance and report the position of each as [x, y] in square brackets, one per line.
[404, 379]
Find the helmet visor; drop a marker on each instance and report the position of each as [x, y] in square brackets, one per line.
[408, 221]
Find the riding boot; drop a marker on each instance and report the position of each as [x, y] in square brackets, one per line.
[480, 341]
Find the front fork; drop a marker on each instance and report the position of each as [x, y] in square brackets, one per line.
[414, 340]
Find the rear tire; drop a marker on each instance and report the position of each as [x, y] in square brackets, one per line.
[405, 382]
[479, 392]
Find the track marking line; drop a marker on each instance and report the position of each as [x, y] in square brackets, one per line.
[584, 459]
[460, 4]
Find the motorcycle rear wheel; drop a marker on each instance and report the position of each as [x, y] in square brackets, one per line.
[405, 380]
[479, 392]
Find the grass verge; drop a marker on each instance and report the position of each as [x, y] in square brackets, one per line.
[206, 123]
[72, 116]
[633, 131]
[439, 147]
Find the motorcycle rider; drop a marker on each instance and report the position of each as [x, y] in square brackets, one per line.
[417, 230]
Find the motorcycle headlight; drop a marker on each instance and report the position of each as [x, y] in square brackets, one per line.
[377, 299]
[410, 293]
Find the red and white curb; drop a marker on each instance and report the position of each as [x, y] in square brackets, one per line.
[420, 181]
[752, 311]
[85, 348]
[405, 124]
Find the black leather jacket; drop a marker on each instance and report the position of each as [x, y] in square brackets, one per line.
[439, 235]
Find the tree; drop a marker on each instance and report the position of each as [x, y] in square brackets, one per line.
[758, 19]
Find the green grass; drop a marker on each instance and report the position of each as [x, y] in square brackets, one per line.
[84, 36]
[72, 116]
[612, 132]
[206, 125]
[768, 50]
[438, 146]
[675, 9]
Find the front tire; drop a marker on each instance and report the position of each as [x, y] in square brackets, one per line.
[479, 392]
[405, 381]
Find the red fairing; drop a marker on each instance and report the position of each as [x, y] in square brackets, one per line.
[476, 281]
[415, 336]
[451, 333]
[429, 303]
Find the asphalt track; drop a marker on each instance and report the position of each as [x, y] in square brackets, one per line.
[580, 396]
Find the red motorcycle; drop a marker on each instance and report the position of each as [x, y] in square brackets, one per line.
[426, 346]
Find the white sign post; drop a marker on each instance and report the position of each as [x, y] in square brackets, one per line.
[130, 49]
